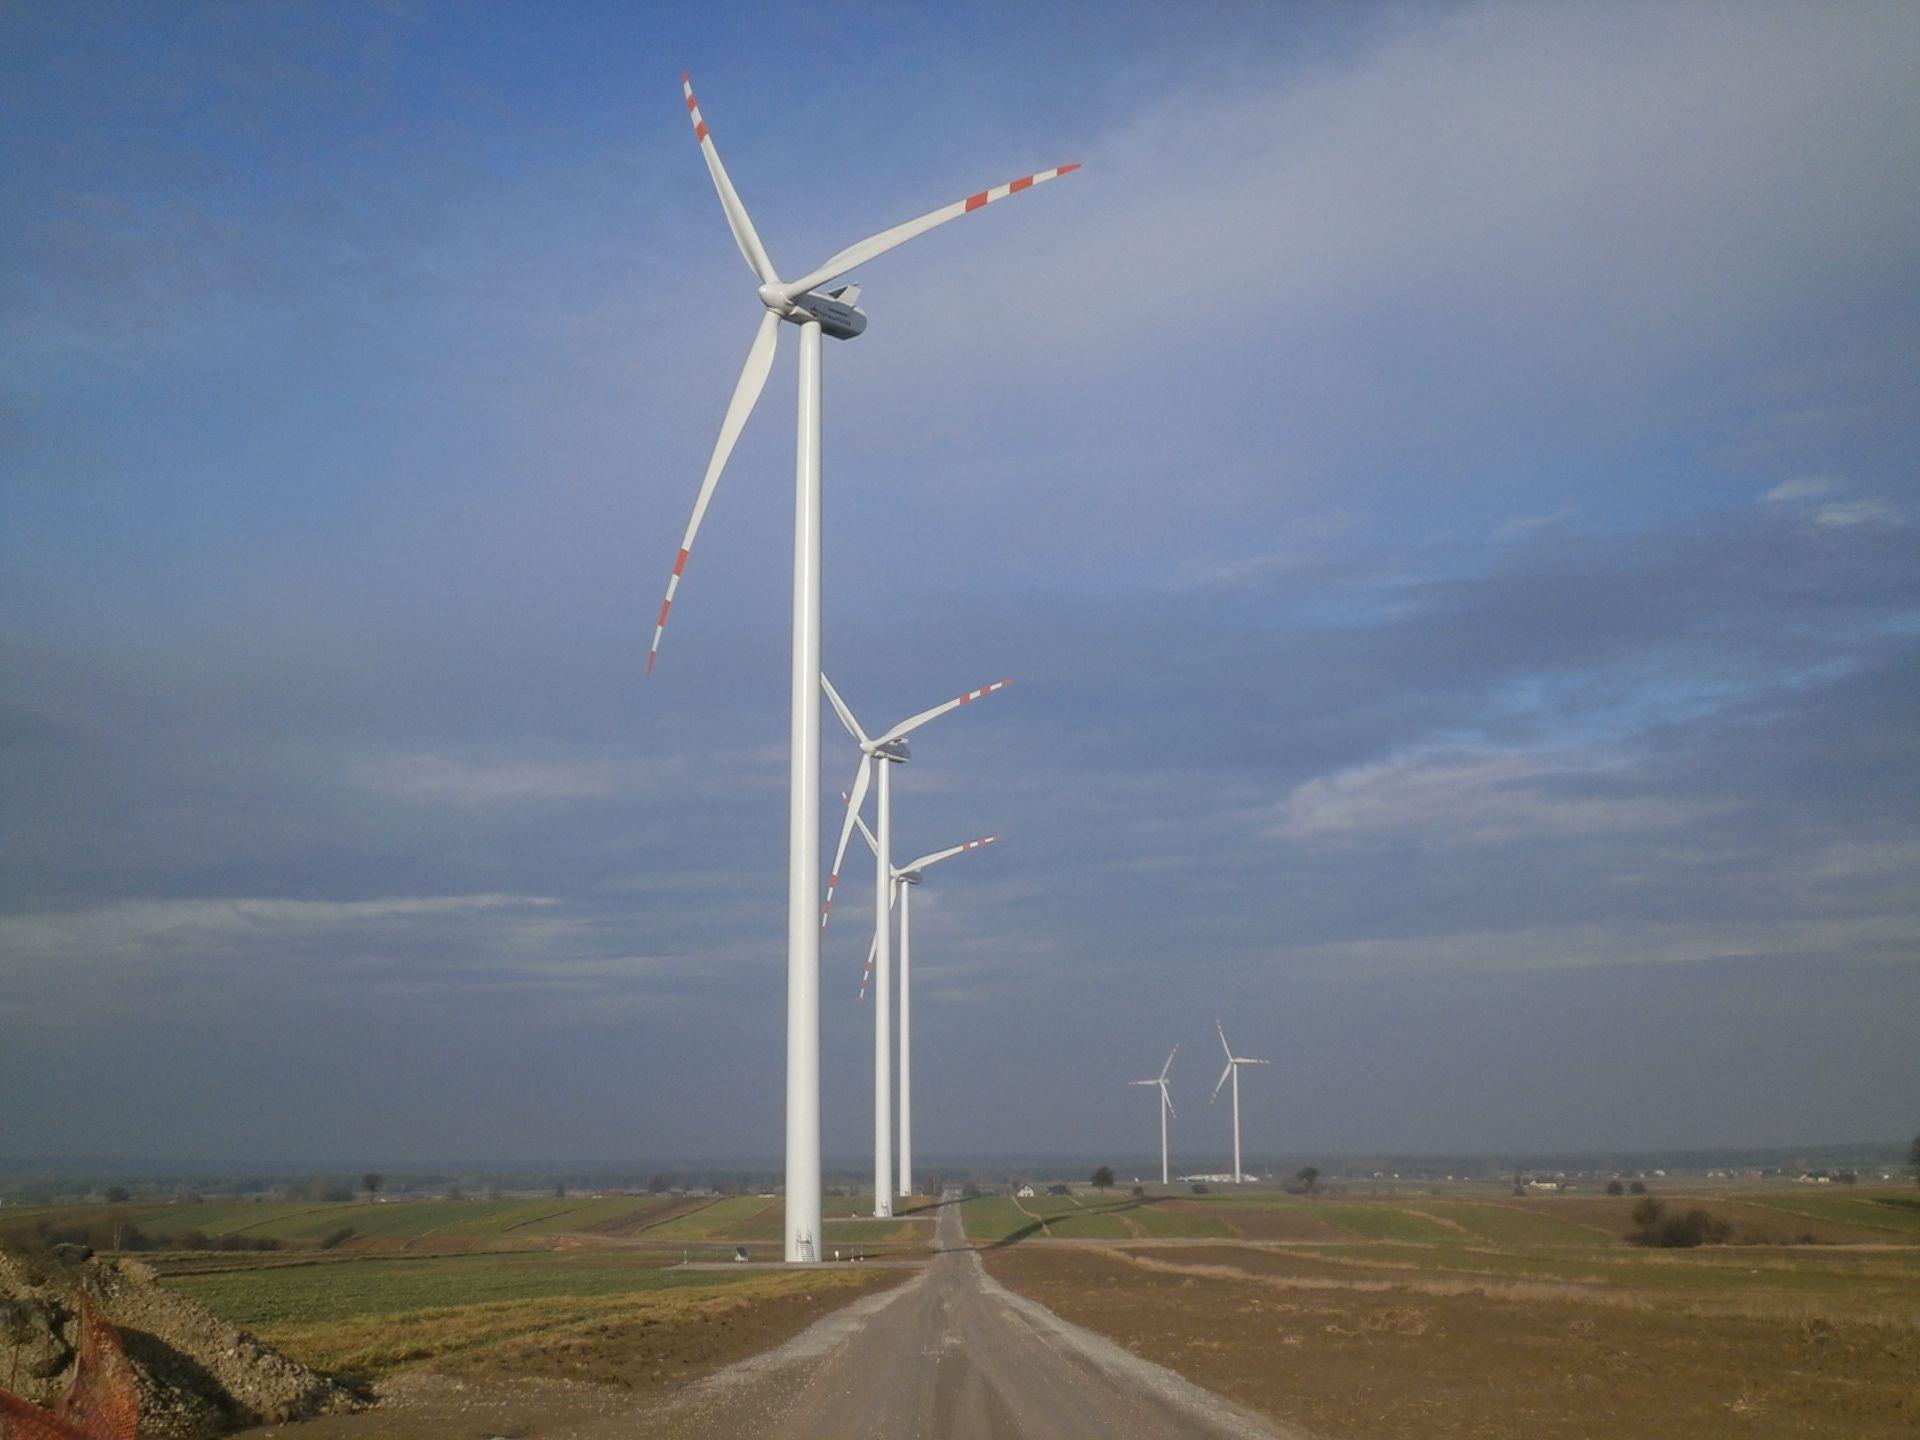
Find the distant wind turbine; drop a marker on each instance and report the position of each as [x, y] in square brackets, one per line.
[888, 750]
[1234, 1062]
[905, 878]
[1166, 1109]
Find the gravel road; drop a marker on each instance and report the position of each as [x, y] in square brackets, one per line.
[953, 1355]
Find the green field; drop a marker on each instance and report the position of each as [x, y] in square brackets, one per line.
[372, 1314]
[270, 1296]
[1895, 1212]
[1386, 1222]
[994, 1218]
[1583, 1222]
[1507, 1224]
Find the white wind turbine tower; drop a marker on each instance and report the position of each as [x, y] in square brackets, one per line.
[884, 753]
[832, 312]
[905, 878]
[1234, 1062]
[1166, 1109]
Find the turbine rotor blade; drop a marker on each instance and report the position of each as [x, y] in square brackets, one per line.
[1169, 1065]
[1223, 1040]
[846, 715]
[738, 221]
[937, 856]
[746, 392]
[872, 949]
[1167, 1095]
[876, 245]
[914, 722]
[1223, 1080]
[854, 801]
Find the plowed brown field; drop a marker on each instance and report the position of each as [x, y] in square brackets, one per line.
[1352, 1354]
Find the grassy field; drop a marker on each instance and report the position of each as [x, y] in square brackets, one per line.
[265, 1297]
[371, 1315]
[432, 1226]
[1088, 1216]
[586, 1287]
[1895, 1213]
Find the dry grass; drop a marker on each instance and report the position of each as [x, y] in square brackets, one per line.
[1393, 1354]
[464, 1337]
[1895, 1305]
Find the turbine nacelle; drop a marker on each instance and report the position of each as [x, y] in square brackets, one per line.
[897, 751]
[838, 317]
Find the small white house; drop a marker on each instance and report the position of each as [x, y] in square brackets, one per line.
[1025, 1192]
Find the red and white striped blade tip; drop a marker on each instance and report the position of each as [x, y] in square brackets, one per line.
[673, 584]
[1014, 187]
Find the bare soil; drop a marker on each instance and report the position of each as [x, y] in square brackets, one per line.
[1387, 1363]
[192, 1375]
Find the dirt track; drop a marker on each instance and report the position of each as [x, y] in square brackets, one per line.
[953, 1355]
[949, 1354]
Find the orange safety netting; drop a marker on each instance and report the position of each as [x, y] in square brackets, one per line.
[102, 1403]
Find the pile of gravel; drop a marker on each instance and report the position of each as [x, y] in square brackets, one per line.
[198, 1376]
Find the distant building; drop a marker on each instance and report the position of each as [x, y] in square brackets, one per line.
[1025, 1192]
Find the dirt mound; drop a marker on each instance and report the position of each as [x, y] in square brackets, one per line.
[197, 1376]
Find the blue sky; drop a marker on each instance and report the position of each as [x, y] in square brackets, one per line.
[1442, 478]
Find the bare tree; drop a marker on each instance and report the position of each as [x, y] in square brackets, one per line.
[373, 1181]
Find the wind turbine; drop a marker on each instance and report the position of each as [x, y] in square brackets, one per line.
[884, 753]
[905, 878]
[834, 313]
[1166, 1109]
[1234, 1062]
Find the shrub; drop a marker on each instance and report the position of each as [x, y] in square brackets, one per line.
[1653, 1226]
[1102, 1177]
[1139, 1192]
[333, 1239]
[1199, 1187]
[1614, 1187]
[1637, 1188]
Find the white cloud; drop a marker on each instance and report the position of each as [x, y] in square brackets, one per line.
[1848, 513]
[1788, 491]
[1470, 797]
